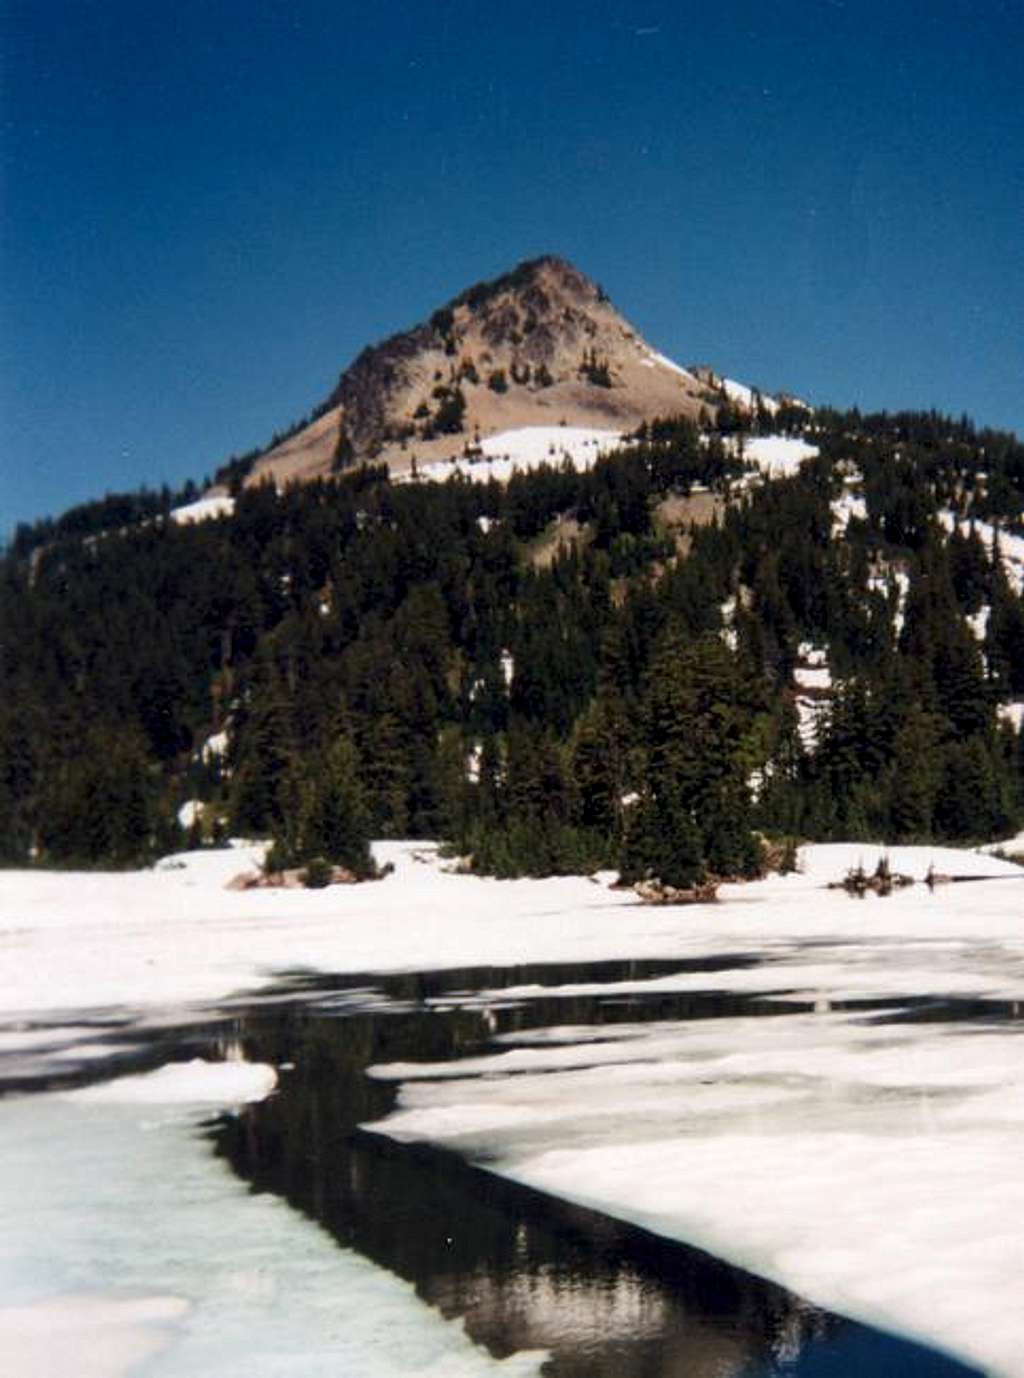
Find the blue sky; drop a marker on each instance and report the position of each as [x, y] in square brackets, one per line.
[209, 208]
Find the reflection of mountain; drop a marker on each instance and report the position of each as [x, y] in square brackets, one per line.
[523, 1270]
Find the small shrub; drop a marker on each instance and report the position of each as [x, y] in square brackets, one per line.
[318, 874]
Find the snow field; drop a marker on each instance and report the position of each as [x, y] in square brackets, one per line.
[519, 451]
[175, 937]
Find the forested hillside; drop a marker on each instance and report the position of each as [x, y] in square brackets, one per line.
[569, 670]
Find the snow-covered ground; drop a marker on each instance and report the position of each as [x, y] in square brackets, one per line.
[872, 1166]
[738, 393]
[203, 510]
[778, 456]
[529, 447]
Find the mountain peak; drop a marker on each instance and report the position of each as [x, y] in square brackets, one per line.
[529, 276]
[539, 345]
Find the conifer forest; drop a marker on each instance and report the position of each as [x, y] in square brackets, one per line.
[564, 672]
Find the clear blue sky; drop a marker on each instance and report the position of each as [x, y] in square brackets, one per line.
[210, 207]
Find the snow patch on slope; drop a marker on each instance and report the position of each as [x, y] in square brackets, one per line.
[778, 456]
[1011, 547]
[527, 448]
[845, 507]
[738, 393]
[666, 362]
[202, 510]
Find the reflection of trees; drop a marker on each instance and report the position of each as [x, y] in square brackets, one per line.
[523, 1270]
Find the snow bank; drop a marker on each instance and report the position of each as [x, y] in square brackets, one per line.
[106, 1336]
[175, 935]
[816, 656]
[885, 583]
[190, 813]
[978, 622]
[203, 510]
[814, 677]
[215, 747]
[527, 448]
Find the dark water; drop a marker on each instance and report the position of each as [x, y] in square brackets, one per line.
[521, 1269]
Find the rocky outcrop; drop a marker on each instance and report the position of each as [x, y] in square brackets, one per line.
[654, 892]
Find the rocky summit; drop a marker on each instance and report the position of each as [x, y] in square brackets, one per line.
[541, 345]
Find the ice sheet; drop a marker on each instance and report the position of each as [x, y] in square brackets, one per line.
[871, 1166]
[186, 1083]
[126, 1240]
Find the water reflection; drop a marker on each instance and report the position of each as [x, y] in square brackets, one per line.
[523, 1270]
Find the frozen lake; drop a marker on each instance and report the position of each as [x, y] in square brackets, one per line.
[515, 1280]
[670, 1141]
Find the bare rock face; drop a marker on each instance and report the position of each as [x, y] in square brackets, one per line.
[541, 345]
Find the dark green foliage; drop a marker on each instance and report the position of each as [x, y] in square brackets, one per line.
[318, 874]
[364, 644]
[451, 408]
[115, 512]
[595, 370]
[101, 807]
[698, 714]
